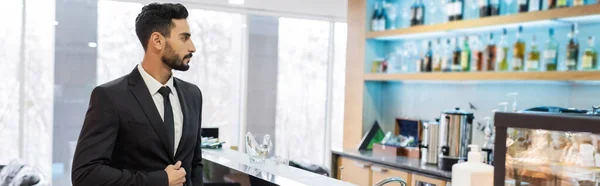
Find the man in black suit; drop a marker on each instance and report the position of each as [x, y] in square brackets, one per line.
[144, 128]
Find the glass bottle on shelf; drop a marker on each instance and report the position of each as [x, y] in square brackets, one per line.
[494, 7]
[414, 8]
[456, 59]
[519, 52]
[382, 19]
[465, 57]
[552, 4]
[484, 9]
[551, 52]
[421, 13]
[533, 59]
[438, 57]
[414, 58]
[503, 52]
[561, 3]
[578, 3]
[478, 54]
[490, 53]
[535, 5]
[375, 18]
[523, 5]
[428, 59]
[572, 49]
[448, 56]
[450, 9]
[590, 57]
[459, 9]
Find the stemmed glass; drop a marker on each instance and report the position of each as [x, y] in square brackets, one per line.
[391, 10]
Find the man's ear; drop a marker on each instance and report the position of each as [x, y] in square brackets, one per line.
[157, 41]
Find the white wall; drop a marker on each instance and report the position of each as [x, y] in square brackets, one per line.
[314, 9]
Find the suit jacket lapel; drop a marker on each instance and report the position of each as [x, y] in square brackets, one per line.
[185, 110]
[140, 91]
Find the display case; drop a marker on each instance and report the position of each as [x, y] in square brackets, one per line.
[543, 149]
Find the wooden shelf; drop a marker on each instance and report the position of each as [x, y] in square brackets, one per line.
[490, 21]
[481, 76]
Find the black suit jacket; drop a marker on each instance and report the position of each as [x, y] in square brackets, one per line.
[123, 140]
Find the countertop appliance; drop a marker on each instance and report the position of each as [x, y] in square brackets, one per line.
[455, 134]
[429, 145]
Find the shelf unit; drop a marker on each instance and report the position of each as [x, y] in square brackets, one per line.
[553, 14]
[479, 76]
[361, 44]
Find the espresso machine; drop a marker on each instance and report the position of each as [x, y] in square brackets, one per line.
[455, 134]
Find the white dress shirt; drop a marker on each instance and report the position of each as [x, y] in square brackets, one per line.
[153, 86]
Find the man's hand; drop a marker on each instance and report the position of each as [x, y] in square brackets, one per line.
[176, 174]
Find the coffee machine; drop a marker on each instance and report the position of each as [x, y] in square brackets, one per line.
[455, 134]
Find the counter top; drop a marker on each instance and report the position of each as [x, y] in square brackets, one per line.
[404, 163]
[269, 171]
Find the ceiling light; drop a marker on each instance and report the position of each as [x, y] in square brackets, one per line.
[92, 44]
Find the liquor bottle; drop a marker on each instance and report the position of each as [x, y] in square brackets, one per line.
[519, 52]
[523, 5]
[561, 3]
[459, 9]
[503, 53]
[448, 56]
[456, 58]
[382, 19]
[552, 4]
[590, 57]
[465, 57]
[428, 59]
[421, 13]
[533, 59]
[578, 3]
[375, 18]
[573, 49]
[450, 10]
[438, 57]
[535, 5]
[478, 54]
[484, 8]
[491, 54]
[494, 7]
[551, 52]
[413, 14]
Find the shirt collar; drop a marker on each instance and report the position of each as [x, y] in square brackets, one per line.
[152, 84]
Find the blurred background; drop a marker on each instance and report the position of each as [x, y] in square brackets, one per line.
[264, 66]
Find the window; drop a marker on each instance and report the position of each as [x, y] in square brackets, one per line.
[302, 89]
[119, 49]
[339, 84]
[216, 69]
[27, 94]
[10, 42]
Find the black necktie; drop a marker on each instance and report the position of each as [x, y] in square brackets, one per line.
[168, 113]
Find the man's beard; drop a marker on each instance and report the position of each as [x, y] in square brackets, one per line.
[173, 60]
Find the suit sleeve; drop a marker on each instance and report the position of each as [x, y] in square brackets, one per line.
[197, 166]
[92, 159]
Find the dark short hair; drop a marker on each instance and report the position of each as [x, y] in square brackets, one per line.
[157, 17]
